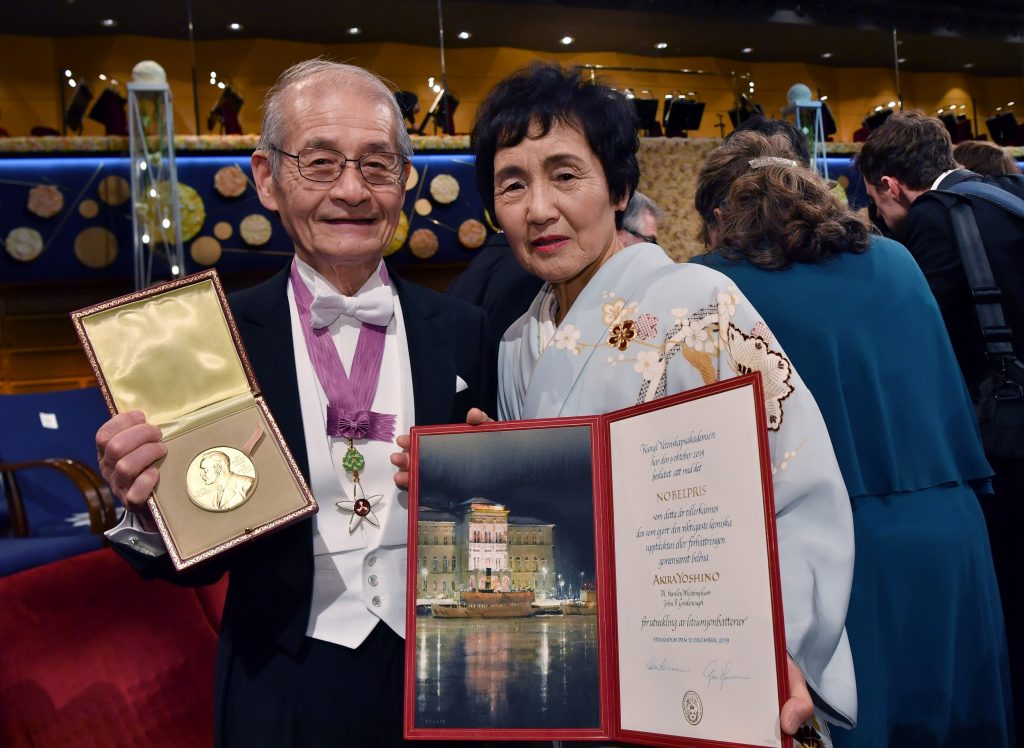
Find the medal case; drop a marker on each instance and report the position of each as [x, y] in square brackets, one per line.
[173, 351]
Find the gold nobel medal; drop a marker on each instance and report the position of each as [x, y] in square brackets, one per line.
[220, 479]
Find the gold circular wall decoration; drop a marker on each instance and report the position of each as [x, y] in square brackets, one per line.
[255, 230]
[88, 209]
[24, 244]
[401, 232]
[115, 190]
[444, 188]
[230, 181]
[157, 209]
[205, 250]
[45, 200]
[96, 247]
[472, 233]
[423, 243]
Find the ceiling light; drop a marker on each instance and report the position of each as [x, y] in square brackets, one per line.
[823, 98]
[71, 82]
[746, 50]
[941, 110]
[826, 55]
[355, 30]
[220, 85]
[108, 23]
[102, 77]
[968, 65]
[1009, 103]
[661, 45]
[464, 35]
[901, 60]
[567, 40]
[67, 73]
[879, 108]
[235, 26]
[891, 104]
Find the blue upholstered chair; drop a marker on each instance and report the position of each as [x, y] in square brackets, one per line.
[56, 503]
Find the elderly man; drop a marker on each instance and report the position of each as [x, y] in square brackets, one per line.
[311, 650]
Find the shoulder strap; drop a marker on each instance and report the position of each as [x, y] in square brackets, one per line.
[991, 194]
[994, 330]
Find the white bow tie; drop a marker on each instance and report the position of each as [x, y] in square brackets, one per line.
[374, 307]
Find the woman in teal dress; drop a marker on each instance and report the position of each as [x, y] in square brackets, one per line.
[857, 319]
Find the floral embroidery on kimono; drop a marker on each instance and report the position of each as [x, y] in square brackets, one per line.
[698, 338]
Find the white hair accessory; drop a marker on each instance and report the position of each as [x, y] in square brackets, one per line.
[757, 163]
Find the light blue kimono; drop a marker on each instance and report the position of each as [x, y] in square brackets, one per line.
[645, 327]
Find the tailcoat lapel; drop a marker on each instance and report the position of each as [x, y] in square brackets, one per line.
[430, 335]
[281, 571]
[264, 321]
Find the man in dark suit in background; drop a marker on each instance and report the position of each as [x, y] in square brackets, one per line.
[311, 647]
[906, 163]
[910, 157]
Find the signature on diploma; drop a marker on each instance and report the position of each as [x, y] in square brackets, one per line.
[721, 673]
[663, 666]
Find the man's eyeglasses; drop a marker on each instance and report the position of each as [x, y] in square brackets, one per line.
[649, 238]
[325, 165]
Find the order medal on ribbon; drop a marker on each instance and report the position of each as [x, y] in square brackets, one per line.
[349, 397]
[220, 479]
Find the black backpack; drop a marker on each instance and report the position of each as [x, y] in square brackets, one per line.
[1000, 399]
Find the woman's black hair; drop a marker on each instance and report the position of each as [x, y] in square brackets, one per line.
[545, 93]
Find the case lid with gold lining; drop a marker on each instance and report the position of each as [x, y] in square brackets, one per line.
[174, 353]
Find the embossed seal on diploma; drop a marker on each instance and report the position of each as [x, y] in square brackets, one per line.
[693, 709]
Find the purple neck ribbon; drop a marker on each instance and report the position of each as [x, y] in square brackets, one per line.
[348, 398]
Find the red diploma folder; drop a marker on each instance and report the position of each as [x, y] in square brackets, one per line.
[609, 577]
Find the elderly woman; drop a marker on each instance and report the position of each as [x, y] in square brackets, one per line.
[613, 326]
[862, 326]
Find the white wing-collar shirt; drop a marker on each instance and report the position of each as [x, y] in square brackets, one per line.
[359, 576]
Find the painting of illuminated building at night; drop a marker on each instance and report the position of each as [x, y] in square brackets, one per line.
[506, 631]
[456, 550]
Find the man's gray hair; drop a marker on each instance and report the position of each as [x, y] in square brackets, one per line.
[275, 126]
[638, 204]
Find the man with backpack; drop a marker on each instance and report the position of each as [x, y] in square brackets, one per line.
[967, 234]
